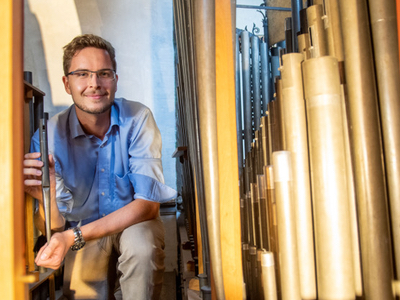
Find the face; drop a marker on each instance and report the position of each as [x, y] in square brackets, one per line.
[93, 95]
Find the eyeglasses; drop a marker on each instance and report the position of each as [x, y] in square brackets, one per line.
[103, 74]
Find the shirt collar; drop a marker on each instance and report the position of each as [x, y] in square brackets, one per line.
[76, 128]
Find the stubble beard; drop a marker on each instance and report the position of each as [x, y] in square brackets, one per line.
[97, 111]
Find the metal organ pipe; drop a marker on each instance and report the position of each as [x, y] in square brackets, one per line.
[366, 151]
[335, 278]
[248, 136]
[295, 127]
[255, 71]
[288, 255]
[383, 24]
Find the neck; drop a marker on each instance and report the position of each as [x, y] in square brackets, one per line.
[94, 124]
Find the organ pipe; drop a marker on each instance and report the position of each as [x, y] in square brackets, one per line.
[366, 149]
[295, 127]
[385, 45]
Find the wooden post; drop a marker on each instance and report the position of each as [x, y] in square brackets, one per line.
[12, 266]
[227, 153]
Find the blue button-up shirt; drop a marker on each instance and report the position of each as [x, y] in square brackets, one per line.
[95, 177]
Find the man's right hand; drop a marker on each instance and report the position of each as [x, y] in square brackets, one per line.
[33, 174]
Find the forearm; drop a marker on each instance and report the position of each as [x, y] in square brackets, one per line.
[57, 219]
[135, 212]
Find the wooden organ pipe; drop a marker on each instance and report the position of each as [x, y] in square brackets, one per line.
[384, 35]
[288, 255]
[335, 276]
[295, 128]
[366, 149]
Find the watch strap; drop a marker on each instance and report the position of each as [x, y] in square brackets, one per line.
[79, 241]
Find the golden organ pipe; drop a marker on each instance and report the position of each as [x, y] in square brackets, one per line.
[316, 31]
[295, 128]
[366, 151]
[272, 223]
[288, 256]
[268, 276]
[335, 278]
[204, 25]
[384, 34]
[333, 30]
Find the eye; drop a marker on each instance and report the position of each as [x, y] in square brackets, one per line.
[82, 74]
[105, 73]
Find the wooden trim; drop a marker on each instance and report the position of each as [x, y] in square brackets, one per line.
[12, 266]
[227, 153]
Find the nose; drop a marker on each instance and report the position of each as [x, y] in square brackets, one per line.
[94, 82]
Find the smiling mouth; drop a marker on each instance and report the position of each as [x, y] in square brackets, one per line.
[95, 96]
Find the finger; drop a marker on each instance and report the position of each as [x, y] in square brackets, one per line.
[33, 155]
[33, 163]
[48, 251]
[32, 172]
[37, 259]
[32, 182]
[51, 160]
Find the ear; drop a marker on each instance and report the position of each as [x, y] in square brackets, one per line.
[116, 81]
[66, 85]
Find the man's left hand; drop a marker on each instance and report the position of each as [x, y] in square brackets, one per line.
[52, 254]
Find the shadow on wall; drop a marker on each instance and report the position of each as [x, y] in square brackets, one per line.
[34, 59]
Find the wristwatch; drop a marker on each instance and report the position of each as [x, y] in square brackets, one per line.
[79, 242]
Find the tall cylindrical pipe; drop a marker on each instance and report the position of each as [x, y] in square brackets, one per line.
[316, 31]
[268, 275]
[333, 30]
[286, 226]
[366, 151]
[239, 130]
[297, 6]
[272, 223]
[265, 76]
[204, 25]
[295, 127]
[248, 133]
[255, 71]
[384, 35]
[335, 278]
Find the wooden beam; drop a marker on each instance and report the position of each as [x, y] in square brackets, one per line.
[12, 266]
[227, 153]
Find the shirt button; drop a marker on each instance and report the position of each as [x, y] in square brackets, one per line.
[104, 215]
[102, 193]
[102, 170]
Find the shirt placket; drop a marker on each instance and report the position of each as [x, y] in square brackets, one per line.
[105, 198]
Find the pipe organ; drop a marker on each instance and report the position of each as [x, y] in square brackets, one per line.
[317, 151]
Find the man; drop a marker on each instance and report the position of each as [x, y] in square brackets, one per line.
[106, 183]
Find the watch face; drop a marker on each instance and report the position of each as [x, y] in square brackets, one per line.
[78, 245]
[79, 241]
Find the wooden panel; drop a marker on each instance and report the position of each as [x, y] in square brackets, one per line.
[227, 153]
[12, 266]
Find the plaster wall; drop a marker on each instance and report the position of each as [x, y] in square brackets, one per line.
[141, 32]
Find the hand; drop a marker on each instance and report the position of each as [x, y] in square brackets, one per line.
[52, 254]
[33, 175]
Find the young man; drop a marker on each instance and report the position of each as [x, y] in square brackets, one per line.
[106, 183]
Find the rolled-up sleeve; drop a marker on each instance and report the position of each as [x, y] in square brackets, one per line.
[145, 166]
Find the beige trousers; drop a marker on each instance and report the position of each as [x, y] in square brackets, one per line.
[128, 265]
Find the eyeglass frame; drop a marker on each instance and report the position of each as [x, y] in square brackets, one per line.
[96, 72]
